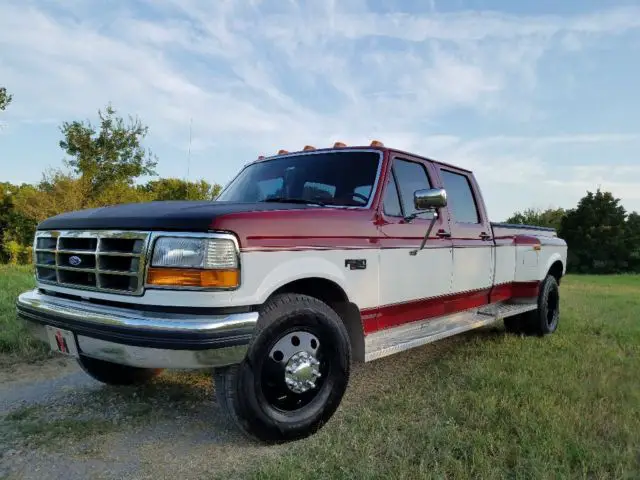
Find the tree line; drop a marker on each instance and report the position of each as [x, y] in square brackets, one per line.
[103, 166]
[104, 162]
[602, 237]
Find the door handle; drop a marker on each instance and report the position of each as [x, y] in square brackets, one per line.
[485, 236]
[443, 234]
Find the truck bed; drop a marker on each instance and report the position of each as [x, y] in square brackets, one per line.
[506, 229]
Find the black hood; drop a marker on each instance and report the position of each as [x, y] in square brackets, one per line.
[168, 215]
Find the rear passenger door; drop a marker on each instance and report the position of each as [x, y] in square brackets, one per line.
[473, 245]
[407, 281]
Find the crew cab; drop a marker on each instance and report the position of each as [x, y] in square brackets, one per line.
[307, 262]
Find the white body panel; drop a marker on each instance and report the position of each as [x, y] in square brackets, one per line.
[472, 268]
[404, 277]
[533, 264]
[505, 264]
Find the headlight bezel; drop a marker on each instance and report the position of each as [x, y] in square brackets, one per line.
[204, 236]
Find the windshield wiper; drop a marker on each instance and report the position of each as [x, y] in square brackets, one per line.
[294, 200]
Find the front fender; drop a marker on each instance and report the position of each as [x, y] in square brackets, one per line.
[309, 266]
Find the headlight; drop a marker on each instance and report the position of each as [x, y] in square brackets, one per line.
[194, 262]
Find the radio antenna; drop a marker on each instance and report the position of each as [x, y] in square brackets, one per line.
[189, 157]
[189, 151]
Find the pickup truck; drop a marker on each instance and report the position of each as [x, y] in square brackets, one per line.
[307, 262]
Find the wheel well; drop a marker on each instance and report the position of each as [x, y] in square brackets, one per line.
[556, 270]
[333, 295]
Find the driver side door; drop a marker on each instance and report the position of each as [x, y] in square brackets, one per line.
[411, 287]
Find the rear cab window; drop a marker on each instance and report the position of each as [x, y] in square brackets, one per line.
[462, 203]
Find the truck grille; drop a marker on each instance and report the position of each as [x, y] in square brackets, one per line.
[106, 261]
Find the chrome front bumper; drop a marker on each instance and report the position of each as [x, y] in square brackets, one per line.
[141, 338]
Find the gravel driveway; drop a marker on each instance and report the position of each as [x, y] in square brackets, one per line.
[57, 422]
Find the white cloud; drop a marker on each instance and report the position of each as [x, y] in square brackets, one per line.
[266, 75]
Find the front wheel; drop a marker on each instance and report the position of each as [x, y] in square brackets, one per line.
[295, 372]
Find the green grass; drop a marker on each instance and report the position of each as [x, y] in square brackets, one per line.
[14, 339]
[491, 405]
[28, 424]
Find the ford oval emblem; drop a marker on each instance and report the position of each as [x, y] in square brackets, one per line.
[75, 260]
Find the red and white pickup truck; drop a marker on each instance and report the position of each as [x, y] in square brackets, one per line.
[306, 262]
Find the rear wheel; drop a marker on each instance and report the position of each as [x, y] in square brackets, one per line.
[116, 374]
[294, 375]
[543, 320]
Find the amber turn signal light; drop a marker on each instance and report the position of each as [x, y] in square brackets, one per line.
[377, 143]
[187, 277]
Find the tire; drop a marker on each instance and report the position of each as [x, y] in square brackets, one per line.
[543, 320]
[256, 394]
[116, 374]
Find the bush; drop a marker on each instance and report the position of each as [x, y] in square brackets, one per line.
[18, 254]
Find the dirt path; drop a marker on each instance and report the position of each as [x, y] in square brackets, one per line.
[57, 422]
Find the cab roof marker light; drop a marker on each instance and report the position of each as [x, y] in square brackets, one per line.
[377, 143]
[282, 152]
[339, 145]
[308, 147]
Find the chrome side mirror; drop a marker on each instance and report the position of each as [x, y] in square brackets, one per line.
[430, 198]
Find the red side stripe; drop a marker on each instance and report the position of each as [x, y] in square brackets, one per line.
[374, 319]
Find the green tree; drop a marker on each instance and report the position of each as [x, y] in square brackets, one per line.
[633, 241]
[15, 228]
[5, 98]
[595, 233]
[56, 193]
[551, 217]
[178, 189]
[108, 156]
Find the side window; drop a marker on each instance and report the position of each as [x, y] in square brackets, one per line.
[391, 202]
[411, 176]
[462, 204]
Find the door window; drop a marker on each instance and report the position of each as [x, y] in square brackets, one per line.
[411, 176]
[391, 202]
[462, 204]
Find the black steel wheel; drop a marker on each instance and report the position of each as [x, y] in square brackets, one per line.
[544, 320]
[294, 375]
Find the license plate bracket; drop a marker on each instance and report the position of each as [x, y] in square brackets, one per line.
[62, 341]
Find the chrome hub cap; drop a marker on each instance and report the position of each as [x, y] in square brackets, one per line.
[301, 372]
[296, 355]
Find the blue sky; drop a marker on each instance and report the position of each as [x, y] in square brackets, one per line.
[539, 98]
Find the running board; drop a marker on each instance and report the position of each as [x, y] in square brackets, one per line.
[404, 337]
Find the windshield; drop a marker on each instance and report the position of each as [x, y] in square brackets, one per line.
[332, 178]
